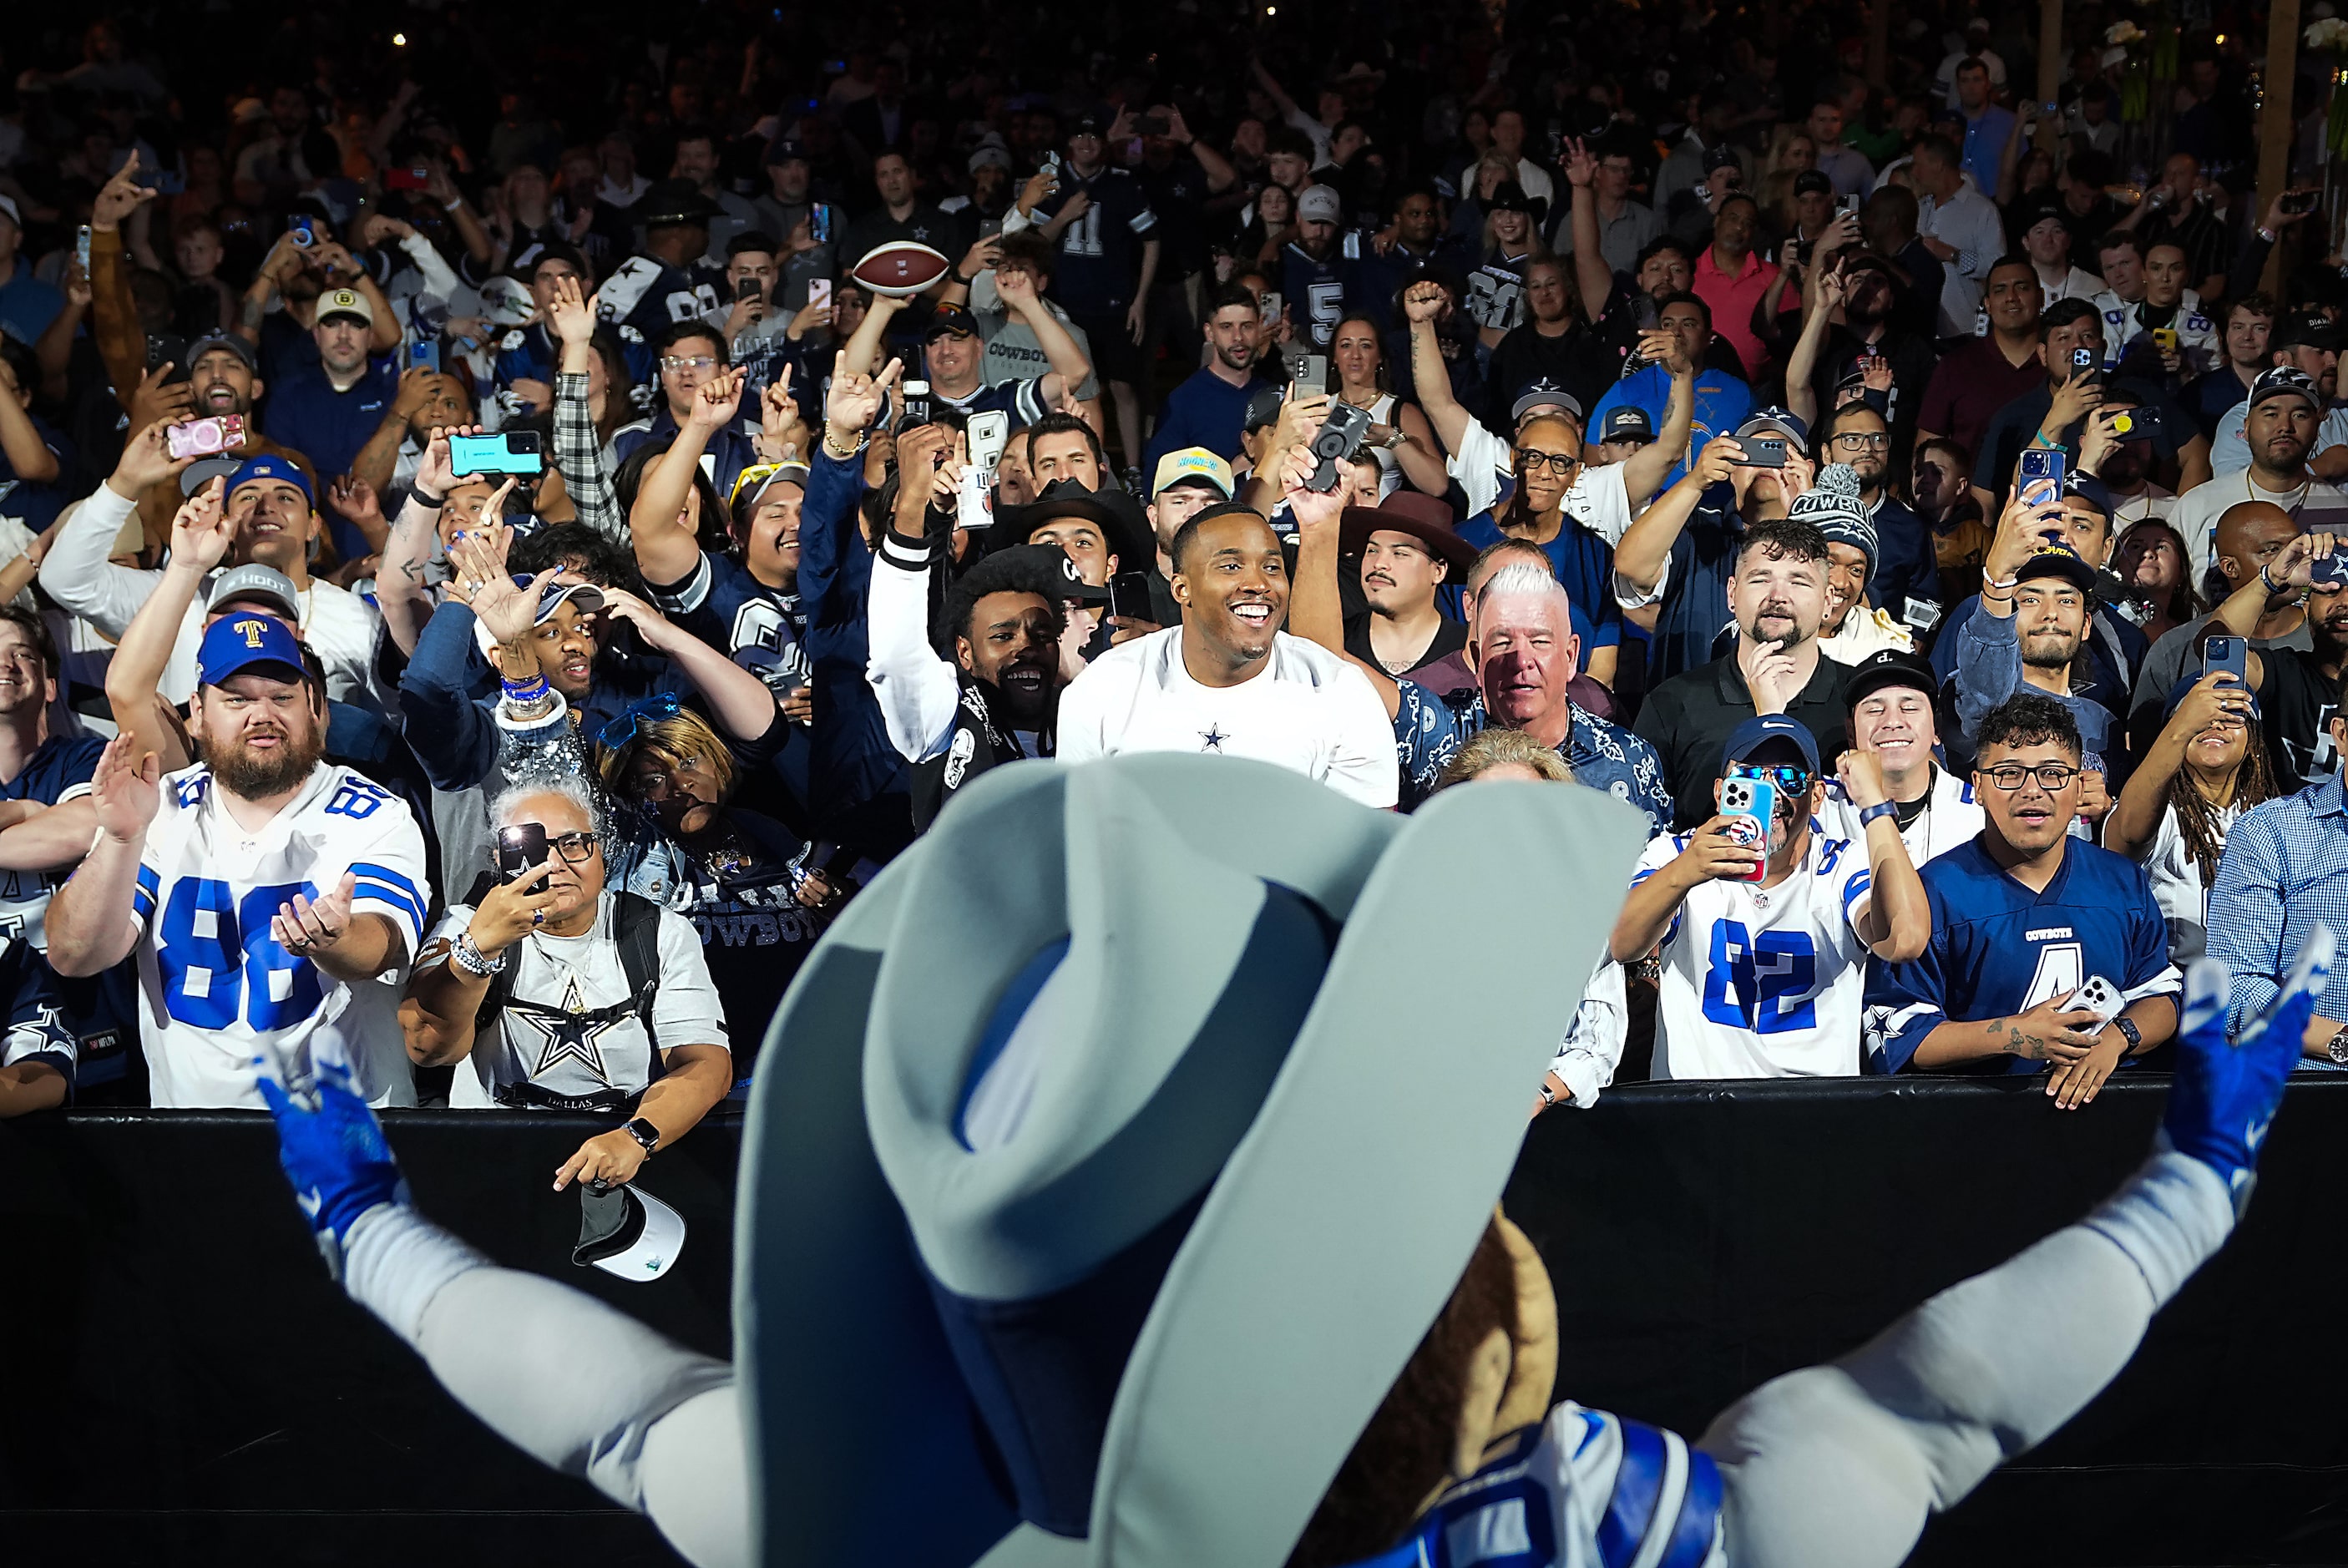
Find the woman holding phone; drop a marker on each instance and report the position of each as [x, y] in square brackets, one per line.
[1400, 438]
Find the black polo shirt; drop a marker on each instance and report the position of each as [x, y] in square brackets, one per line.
[1689, 718]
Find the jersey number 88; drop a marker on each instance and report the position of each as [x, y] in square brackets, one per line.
[216, 954]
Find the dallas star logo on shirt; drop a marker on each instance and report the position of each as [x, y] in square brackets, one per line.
[570, 1030]
[1213, 738]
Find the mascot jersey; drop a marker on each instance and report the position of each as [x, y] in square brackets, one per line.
[1583, 1490]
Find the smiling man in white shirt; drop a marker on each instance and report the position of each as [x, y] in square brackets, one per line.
[1228, 680]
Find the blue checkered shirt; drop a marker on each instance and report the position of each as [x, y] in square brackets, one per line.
[2285, 868]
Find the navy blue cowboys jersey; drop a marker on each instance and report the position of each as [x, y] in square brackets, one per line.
[645, 297]
[1998, 949]
[1100, 252]
[527, 354]
[1023, 400]
[727, 608]
[1315, 291]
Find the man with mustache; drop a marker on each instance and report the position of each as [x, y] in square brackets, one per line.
[1228, 681]
[999, 700]
[265, 892]
[2283, 420]
[1777, 600]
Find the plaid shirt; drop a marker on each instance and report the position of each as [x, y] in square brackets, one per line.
[580, 455]
[2285, 870]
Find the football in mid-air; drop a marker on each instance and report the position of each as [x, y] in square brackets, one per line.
[900, 268]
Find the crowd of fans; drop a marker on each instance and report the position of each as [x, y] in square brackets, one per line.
[487, 581]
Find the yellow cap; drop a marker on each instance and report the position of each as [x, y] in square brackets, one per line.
[1193, 463]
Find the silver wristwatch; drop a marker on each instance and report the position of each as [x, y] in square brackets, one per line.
[472, 960]
[2338, 1049]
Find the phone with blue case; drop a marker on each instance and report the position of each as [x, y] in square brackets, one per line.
[1751, 806]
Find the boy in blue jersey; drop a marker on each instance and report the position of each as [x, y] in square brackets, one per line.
[2022, 917]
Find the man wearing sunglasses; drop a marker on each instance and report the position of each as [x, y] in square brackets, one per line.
[2023, 917]
[1763, 977]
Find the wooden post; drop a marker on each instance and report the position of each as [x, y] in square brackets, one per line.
[2276, 127]
[2050, 73]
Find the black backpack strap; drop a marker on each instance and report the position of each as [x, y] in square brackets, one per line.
[636, 927]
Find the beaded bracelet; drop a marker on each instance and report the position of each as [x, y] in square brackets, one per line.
[528, 691]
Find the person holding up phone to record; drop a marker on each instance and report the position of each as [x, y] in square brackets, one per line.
[557, 992]
[1764, 923]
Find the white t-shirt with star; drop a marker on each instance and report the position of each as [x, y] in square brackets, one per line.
[577, 1035]
[1306, 709]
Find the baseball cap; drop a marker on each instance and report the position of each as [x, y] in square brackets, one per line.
[2056, 559]
[1085, 125]
[786, 150]
[1052, 558]
[626, 1231]
[9, 206]
[1319, 204]
[756, 479]
[254, 470]
[345, 302]
[2087, 488]
[1262, 408]
[1192, 465]
[2035, 210]
[1625, 423]
[1722, 156]
[1545, 393]
[204, 470]
[989, 152]
[583, 597]
[2284, 381]
[1763, 727]
[2310, 328]
[950, 318]
[1813, 182]
[1889, 667]
[229, 341]
[235, 643]
[1777, 422]
[256, 582]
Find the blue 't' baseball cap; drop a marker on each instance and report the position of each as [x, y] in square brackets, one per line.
[234, 643]
[256, 468]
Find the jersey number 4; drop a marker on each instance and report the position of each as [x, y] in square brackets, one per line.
[2062, 969]
[1748, 982]
[218, 958]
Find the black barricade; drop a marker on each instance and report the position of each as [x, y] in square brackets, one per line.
[185, 1384]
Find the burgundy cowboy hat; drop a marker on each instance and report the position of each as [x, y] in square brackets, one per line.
[1422, 517]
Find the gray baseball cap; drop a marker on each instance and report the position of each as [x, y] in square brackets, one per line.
[256, 582]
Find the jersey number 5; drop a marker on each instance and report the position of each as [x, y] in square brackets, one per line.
[1749, 984]
[216, 955]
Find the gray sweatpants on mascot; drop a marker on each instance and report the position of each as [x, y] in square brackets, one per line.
[1831, 1466]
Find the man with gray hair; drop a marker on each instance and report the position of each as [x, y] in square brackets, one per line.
[560, 994]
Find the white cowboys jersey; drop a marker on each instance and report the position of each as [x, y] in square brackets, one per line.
[1764, 983]
[214, 983]
[2199, 341]
[1951, 816]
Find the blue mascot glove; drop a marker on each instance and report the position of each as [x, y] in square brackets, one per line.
[332, 1148]
[2224, 1095]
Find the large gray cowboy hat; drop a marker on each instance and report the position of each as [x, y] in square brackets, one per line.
[1123, 1139]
